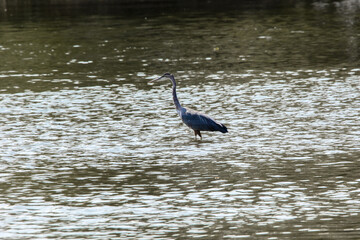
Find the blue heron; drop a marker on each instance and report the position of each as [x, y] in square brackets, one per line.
[195, 120]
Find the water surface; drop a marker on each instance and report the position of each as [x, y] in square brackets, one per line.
[90, 151]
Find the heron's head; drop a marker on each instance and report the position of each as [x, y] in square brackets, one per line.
[166, 75]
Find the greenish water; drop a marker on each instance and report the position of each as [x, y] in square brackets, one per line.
[89, 150]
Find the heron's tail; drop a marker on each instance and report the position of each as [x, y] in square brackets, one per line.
[223, 129]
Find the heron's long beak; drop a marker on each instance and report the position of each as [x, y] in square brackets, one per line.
[155, 79]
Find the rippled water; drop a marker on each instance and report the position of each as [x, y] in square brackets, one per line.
[90, 151]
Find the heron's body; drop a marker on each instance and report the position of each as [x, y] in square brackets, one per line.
[200, 122]
[193, 119]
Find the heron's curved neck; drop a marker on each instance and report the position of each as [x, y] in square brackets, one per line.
[176, 100]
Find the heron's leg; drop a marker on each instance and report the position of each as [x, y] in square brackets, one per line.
[197, 132]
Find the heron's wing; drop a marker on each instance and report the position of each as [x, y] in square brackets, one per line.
[199, 121]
